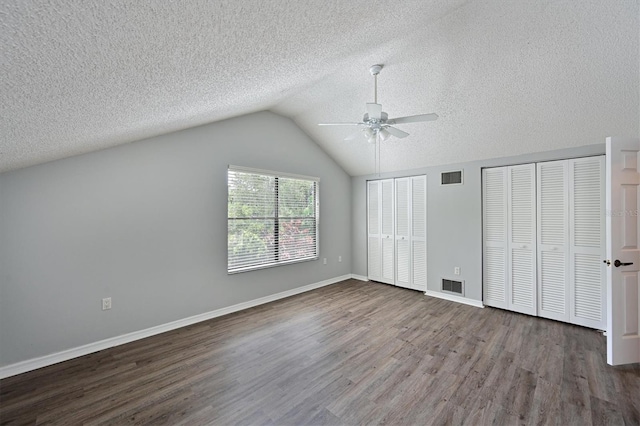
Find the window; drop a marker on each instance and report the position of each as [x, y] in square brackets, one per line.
[272, 219]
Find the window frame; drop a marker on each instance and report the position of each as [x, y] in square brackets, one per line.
[276, 175]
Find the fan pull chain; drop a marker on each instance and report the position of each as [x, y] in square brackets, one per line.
[375, 158]
[377, 155]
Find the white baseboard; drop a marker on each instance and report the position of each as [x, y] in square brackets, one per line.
[43, 361]
[359, 277]
[454, 298]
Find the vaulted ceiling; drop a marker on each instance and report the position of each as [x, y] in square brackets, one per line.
[506, 77]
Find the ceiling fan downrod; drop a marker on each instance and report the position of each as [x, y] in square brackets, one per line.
[375, 70]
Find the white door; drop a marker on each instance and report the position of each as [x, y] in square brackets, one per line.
[374, 254]
[553, 240]
[623, 249]
[419, 232]
[402, 232]
[494, 219]
[587, 290]
[388, 240]
[521, 239]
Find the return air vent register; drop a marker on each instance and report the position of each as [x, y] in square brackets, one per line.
[451, 178]
[451, 286]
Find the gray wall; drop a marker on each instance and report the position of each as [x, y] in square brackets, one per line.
[454, 218]
[145, 224]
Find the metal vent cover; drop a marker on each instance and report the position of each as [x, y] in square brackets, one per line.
[451, 178]
[453, 286]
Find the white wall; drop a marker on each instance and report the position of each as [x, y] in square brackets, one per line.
[454, 218]
[145, 224]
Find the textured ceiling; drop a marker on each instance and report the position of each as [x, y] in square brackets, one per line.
[506, 77]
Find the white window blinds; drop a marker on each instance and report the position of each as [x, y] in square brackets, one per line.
[272, 219]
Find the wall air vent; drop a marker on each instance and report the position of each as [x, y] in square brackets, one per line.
[451, 286]
[451, 178]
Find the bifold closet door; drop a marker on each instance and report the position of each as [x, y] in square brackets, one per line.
[397, 231]
[419, 232]
[494, 252]
[374, 227]
[509, 252]
[387, 235]
[553, 240]
[402, 233]
[544, 240]
[587, 249]
[571, 275]
[521, 238]
[410, 232]
[380, 240]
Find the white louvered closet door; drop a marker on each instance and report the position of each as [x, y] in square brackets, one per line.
[402, 235]
[419, 232]
[374, 247]
[553, 240]
[387, 238]
[587, 249]
[494, 219]
[521, 257]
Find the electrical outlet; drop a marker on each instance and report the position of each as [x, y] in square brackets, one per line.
[456, 270]
[106, 303]
[324, 261]
[339, 258]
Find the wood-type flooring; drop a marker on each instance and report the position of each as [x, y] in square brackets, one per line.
[348, 353]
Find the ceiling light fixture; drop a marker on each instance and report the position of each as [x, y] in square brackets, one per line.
[377, 126]
[377, 122]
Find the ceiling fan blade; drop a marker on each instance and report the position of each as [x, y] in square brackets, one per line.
[354, 135]
[397, 132]
[340, 124]
[374, 111]
[413, 119]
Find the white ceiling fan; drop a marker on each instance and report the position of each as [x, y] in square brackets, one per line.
[376, 123]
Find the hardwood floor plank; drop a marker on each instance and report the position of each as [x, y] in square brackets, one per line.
[519, 399]
[313, 406]
[627, 389]
[601, 385]
[349, 353]
[545, 407]
[363, 388]
[605, 412]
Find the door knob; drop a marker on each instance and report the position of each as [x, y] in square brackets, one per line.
[617, 263]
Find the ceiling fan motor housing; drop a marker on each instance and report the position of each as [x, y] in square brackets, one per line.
[372, 121]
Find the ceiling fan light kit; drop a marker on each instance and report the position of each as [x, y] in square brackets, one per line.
[376, 123]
